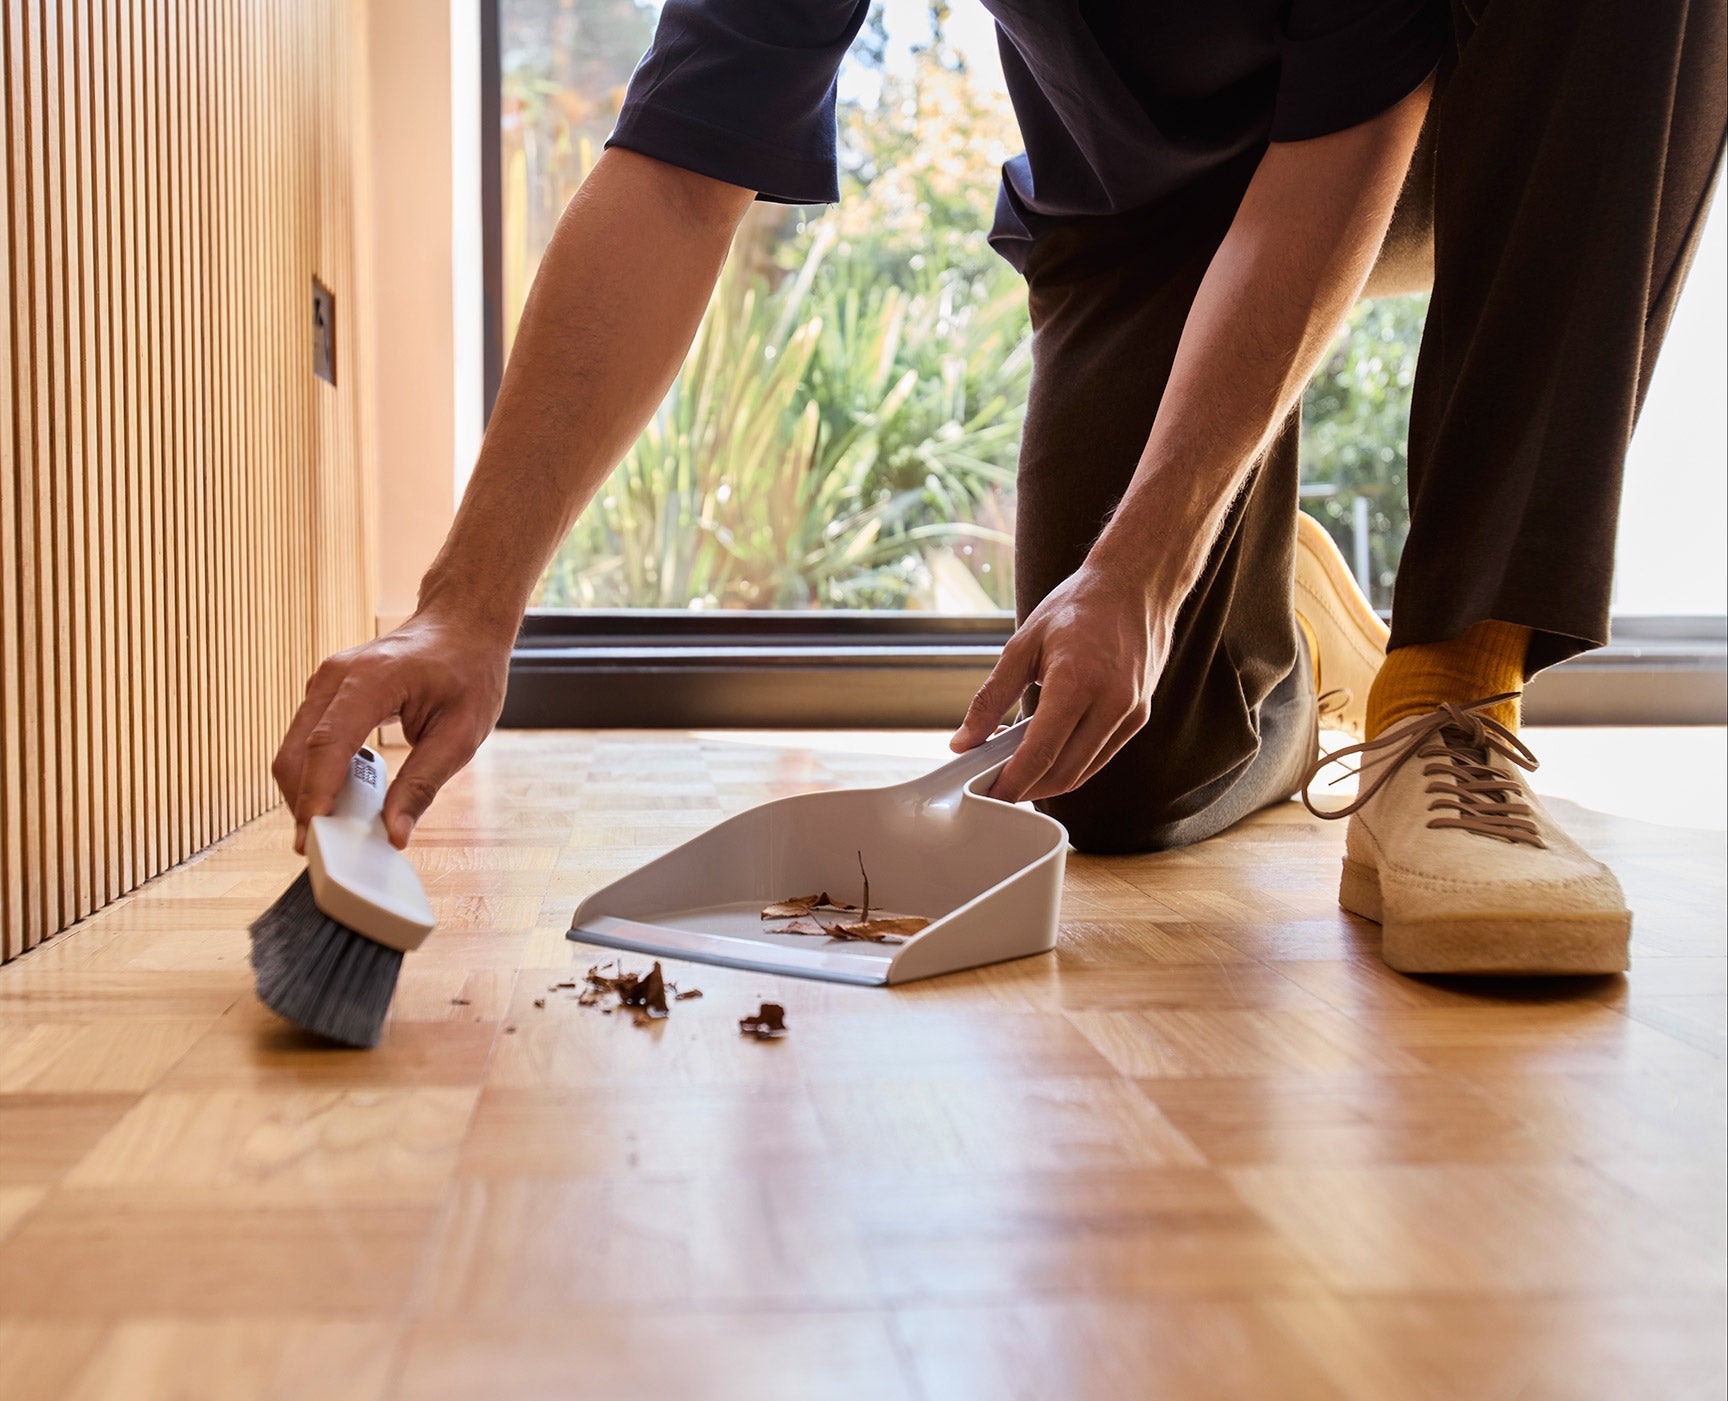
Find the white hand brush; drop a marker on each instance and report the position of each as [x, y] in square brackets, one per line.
[328, 952]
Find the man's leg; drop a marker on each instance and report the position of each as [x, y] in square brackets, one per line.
[1574, 145]
[1233, 715]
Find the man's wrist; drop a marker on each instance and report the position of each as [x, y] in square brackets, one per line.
[450, 596]
[1161, 562]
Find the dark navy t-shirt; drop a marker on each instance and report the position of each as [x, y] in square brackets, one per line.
[1122, 103]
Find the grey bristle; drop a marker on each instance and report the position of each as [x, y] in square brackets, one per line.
[319, 973]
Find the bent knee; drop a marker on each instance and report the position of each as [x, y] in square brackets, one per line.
[1101, 828]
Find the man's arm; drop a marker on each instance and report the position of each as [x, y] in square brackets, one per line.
[1294, 261]
[614, 307]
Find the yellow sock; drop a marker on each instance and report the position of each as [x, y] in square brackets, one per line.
[1486, 661]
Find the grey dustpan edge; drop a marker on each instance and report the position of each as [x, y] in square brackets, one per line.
[660, 946]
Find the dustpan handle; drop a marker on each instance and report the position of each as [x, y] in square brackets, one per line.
[981, 758]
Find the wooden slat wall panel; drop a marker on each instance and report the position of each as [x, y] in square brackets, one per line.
[185, 511]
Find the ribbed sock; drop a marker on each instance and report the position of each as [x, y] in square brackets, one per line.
[1486, 661]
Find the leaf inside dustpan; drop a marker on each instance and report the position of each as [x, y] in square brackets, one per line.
[804, 916]
[802, 905]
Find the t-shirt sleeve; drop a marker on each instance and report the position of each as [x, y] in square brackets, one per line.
[743, 91]
[1345, 61]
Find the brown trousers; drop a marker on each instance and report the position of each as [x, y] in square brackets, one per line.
[1555, 202]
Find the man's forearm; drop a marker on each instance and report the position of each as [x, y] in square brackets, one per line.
[1293, 263]
[618, 297]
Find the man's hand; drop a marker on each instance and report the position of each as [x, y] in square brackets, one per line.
[1095, 646]
[442, 677]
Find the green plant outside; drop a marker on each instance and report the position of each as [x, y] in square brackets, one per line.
[844, 431]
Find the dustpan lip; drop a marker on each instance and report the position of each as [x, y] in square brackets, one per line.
[661, 948]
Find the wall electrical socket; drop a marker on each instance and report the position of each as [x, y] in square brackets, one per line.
[323, 332]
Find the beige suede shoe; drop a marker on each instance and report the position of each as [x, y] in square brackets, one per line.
[1460, 864]
[1349, 637]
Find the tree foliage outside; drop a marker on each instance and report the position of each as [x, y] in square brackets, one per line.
[1355, 423]
[844, 431]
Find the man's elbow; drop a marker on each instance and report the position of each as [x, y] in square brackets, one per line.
[699, 202]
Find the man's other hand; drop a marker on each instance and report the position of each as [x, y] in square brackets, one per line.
[1095, 647]
[442, 677]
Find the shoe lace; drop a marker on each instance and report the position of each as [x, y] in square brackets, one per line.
[1333, 702]
[1460, 744]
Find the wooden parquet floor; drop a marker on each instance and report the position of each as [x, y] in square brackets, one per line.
[1209, 1148]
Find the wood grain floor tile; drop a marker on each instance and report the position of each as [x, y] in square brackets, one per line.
[251, 1047]
[43, 1359]
[892, 1049]
[314, 1145]
[1227, 1042]
[994, 1237]
[657, 1355]
[1513, 1349]
[195, 1254]
[111, 1056]
[776, 1239]
[1353, 1118]
[1550, 1230]
[600, 1129]
[1106, 942]
[1203, 986]
[984, 1125]
[1108, 1351]
[43, 1136]
[43, 992]
[15, 1204]
[1499, 1037]
[262, 1359]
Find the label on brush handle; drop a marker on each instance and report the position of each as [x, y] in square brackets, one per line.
[368, 768]
[362, 794]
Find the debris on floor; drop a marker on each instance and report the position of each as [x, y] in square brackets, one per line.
[646, 996]
[768, 1024]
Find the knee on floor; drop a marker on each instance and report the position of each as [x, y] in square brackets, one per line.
[1112, 829]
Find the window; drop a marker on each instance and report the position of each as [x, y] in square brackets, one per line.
[844, 431]
[843, 435]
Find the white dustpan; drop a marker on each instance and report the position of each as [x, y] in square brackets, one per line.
[988, 875]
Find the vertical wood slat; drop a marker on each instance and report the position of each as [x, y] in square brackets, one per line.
[185, 520]
[40, 605]
[11, 754]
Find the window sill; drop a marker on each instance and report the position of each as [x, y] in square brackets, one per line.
[649, 670]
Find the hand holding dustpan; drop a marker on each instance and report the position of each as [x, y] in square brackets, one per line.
[988, 876]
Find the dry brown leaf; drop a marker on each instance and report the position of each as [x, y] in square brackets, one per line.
[643, 995]
[768, 1023]
[803, 926]
[803, 905]
[884, 929]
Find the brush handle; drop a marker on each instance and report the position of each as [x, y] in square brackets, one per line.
[358, 878]
[361, 798]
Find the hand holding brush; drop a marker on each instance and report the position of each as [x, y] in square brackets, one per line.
[328, 952]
